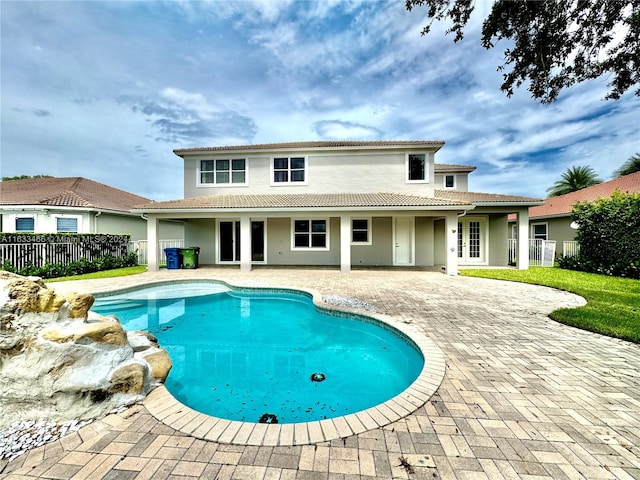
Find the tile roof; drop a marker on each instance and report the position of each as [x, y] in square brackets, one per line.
[562, 205]
[314, 145]
[448, 167]
[302, 200]
[478, 198]
[67, 192]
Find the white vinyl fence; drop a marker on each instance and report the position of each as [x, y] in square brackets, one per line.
[142, 247]
[541, 252]
[570, 248]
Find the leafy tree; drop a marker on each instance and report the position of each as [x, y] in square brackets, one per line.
[630, 166]
[554, 43]
[574, 179]
[24, 177]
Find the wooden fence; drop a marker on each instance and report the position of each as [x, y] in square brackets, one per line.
[37, 250]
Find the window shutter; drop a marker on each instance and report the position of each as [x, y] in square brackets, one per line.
[25, 224]
[67, 224]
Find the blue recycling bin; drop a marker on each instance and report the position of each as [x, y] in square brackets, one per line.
[174, 258]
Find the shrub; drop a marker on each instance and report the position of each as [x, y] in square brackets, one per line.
[77, 267]
[608, 235]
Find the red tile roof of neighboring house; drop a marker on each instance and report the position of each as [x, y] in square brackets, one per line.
[563, 204]
[314, 145]
[67, 192]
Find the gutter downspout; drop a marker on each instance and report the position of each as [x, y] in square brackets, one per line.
[95, 222]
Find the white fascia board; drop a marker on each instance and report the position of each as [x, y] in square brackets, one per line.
[283, 151]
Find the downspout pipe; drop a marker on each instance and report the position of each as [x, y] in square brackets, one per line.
[95, 222]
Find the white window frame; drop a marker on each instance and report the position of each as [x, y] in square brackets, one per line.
[546, 231]
[444, 181]
[199, 172]
[289, 183]
[369, 231]
[15, 223]
[407, 169]
[78, 218]
[310, 220]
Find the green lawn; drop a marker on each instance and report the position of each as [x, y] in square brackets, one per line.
[613, 304]
[116, 272]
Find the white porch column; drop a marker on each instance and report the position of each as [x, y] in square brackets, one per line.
[523, 239]
[451, 243]
[152, 243]
[345, 243]
[245, 243]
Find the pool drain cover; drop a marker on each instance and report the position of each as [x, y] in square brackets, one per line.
[318, 377]
[268, 418]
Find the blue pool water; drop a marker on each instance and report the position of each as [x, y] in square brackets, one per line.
[242, 354]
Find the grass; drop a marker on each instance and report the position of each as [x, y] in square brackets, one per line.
[613, 303]
[116, 272]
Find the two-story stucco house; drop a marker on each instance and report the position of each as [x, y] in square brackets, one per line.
[337, 203]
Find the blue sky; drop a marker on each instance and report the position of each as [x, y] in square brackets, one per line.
[106, 91]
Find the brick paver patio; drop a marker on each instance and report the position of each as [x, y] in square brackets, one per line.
[522, 396]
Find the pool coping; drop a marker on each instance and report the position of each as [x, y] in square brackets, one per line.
[168, 410]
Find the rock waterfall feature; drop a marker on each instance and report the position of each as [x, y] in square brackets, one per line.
[60, 361]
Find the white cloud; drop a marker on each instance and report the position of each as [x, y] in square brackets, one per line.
[124, 83]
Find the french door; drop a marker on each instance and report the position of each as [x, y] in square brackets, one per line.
[472, 240]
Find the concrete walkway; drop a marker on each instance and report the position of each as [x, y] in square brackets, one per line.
[522, 397]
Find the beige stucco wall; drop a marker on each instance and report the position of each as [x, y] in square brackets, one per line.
[424, 241]
[115, 224]
[439, 248]
[380, 252]
[344, 173]
[461, 182]
[201, 232]
[498, 244]
[279, 250]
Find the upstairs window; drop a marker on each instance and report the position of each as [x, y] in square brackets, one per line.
[310, 234]
[417, 168]
[449, 181]
[289, 170]
[25, 224]
[223, 171]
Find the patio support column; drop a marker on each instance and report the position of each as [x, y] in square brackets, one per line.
[451, 243]
[152, 243]
[523, 239]
[245, 243]
[345, 243]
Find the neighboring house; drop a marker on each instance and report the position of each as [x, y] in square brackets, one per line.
[342, 203]
[73, 204]
[552, 219]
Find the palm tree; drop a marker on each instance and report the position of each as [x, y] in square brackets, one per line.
[630, 166]
[575, 178]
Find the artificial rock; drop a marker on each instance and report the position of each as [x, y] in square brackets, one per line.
[60, 361]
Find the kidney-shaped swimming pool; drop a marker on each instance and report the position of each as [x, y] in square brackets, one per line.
[267, 355]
